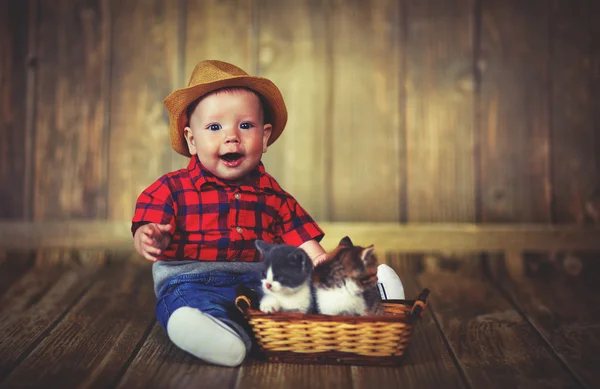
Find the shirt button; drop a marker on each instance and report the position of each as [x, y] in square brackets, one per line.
[239, 229]
[237, 196]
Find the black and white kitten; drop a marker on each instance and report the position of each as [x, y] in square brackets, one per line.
[285, 279]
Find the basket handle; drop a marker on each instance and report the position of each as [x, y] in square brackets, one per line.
[419, 305]
[246, 299]
[242, 303]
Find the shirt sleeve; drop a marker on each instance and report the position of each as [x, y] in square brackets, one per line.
[155, 205]
[296, 226]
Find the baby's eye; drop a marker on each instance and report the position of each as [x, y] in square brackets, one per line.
[214, 127]
[246, 126]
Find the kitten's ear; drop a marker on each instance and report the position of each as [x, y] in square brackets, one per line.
[346, 242]
[262, 246]
[300, 257]
[368, 255]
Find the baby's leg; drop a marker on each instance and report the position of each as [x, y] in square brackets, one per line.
[200, 317]
[389, 284]
[206, 337]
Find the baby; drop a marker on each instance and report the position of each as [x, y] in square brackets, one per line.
[198, 225]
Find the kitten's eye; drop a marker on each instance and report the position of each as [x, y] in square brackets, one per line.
[214, 127]
[246, 126]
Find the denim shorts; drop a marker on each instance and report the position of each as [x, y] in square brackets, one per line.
[212, 293]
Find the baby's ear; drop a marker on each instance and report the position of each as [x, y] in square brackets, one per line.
[262, 246]
[189, 139]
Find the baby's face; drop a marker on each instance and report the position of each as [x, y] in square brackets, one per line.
[228, 134]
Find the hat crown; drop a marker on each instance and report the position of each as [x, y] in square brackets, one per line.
[211, 71]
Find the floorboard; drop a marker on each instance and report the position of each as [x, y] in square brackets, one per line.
[258, 375]
[91, 346]
[428, 362]
[77, 323]
[560, 295]
[13, 264]
[161, 365]
[32, 306]
[495, 345]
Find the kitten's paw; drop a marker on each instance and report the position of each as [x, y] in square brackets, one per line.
[269, 306]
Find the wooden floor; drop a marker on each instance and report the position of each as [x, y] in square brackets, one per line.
[82, 319]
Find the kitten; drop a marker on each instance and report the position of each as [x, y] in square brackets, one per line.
[286, 278]
[346, 282]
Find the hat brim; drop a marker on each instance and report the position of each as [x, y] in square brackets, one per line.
[178, 101]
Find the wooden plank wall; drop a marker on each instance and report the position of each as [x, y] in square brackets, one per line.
[400, 111]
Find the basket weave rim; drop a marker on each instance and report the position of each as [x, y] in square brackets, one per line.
[287, 316]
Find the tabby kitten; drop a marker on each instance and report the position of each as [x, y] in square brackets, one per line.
[346, 282]
[285, 279]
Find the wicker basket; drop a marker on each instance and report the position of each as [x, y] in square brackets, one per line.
[314, 338]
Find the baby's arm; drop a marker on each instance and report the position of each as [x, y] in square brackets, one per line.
[151, 239]
[314, 250]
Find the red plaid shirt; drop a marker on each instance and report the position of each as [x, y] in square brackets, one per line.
[214, 221]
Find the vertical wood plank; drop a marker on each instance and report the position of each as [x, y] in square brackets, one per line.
[70, 146]
[15, 33]
[205, 37]
[222, 30]
[366, 146]
[145, 67]
[440, 111]
[514, 111]
[574, 174]
[593, 203]
[293, 39]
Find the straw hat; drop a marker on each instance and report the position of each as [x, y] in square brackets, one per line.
[211, 75]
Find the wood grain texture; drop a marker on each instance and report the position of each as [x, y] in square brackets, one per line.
[366, 126]
[440, 111]
[31, 307]
[514, 111]
[70, 171]
[495, 345]
[13, 265]
[593, 203]
[574, 171]
[145, 70]
[385, 236]
[203, 36]
[293, 44]
[282, 375]
[560, 296]
[223, 30]
[428, 361]
[14, 37]
[91, 346]
[160, 364]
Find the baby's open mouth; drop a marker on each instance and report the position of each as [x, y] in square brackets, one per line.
[231, 157]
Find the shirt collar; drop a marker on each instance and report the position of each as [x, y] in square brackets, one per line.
[256, 181]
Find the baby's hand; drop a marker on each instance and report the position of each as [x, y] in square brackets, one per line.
[151, 239]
